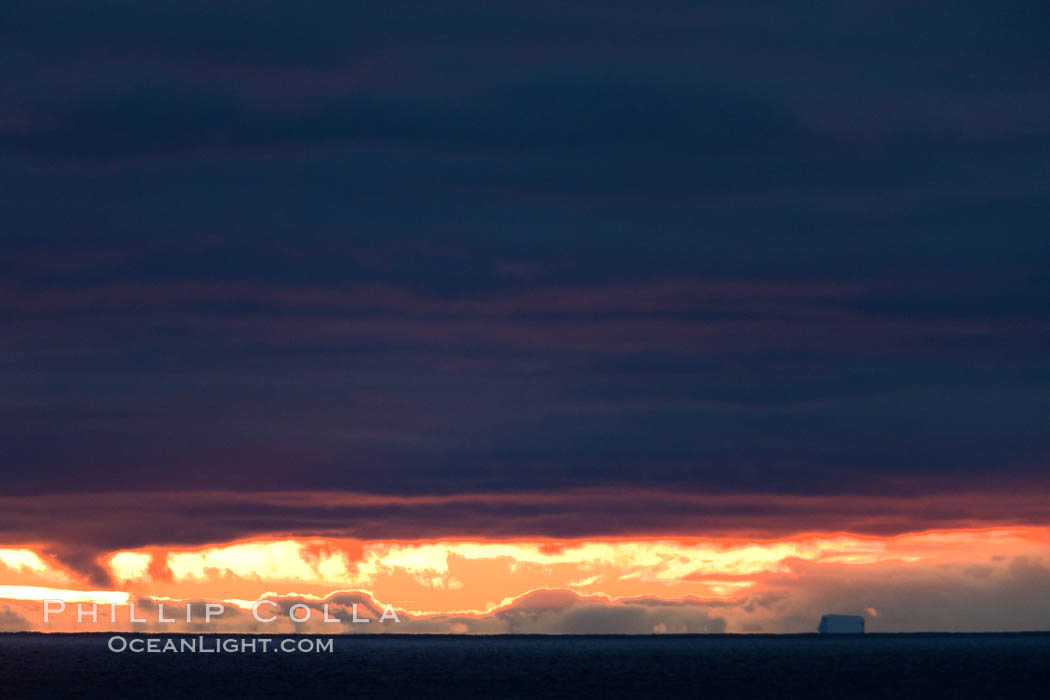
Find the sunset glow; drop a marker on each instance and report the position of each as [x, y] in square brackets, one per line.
[445, 580]
[546, 319]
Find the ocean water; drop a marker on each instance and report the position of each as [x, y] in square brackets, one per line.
[954, 666]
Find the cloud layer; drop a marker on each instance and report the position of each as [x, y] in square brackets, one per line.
[589, 272]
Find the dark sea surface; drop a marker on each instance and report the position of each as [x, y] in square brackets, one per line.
[689, 666]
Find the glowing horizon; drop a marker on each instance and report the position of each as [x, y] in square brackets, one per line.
[456, 581]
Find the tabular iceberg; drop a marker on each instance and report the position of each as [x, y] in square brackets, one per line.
[841, 624]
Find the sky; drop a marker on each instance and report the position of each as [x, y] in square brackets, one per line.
[546, 316]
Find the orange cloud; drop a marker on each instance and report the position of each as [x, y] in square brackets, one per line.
[460, 582]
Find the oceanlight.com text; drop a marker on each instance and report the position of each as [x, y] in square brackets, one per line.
[216, 645]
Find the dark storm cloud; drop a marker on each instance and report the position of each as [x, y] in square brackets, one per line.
[698, 246]
[559, 115]
[113, 521]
